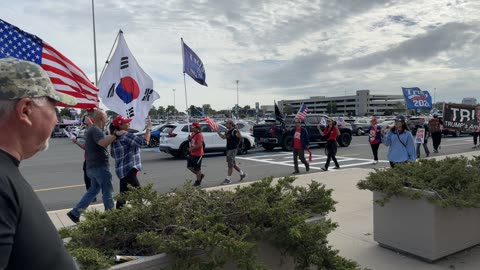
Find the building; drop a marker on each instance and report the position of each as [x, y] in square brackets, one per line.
[361, 104]
[469, 101]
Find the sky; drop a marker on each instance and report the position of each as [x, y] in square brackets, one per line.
[277, 50]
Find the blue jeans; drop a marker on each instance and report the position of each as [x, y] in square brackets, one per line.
[101, 179]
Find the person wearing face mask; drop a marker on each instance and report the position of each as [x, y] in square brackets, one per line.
[401, 146]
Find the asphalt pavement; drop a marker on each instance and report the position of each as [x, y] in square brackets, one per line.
[57, 177]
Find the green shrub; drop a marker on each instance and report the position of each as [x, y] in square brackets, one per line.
[222, 225]
[454, 181]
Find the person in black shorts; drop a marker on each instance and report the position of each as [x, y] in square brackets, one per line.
[194, 161]
[233, 136]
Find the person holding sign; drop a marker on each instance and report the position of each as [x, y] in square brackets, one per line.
[421, 134]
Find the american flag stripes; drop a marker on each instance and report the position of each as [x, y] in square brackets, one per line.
[302, 112]
[64, 74]
[209, 121]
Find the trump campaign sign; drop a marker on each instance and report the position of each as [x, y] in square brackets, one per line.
[416, 98]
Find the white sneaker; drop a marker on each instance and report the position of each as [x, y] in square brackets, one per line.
[226, 181]
[374, 162]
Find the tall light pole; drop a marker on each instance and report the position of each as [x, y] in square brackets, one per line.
[434, 95]
[238, 116]
[174, 99]
[94, 43]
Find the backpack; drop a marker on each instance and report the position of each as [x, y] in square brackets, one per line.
[434, 126]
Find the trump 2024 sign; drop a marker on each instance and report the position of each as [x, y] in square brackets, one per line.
[416, 98]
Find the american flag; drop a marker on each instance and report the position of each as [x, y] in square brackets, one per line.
[64, 74]
[209, 121]
[302, 112]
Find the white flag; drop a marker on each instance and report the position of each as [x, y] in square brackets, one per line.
[125, 88]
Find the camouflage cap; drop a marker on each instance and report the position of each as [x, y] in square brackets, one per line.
[25, 79]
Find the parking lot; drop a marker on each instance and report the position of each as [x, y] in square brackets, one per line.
[57, 177]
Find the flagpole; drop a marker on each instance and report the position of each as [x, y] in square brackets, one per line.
[185, 82]
[94, 43]
[120, 32]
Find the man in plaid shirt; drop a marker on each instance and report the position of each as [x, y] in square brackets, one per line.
[126, 152]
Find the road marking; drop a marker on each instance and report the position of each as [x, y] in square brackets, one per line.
[56, 188]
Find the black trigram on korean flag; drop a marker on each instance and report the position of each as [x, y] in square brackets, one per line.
[111, 91]
[124, 62]
[130, 112]
[148, 94]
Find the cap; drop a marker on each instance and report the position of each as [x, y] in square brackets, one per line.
[374, 120]
[121, 120]
[196, 124]
[400, 118]
[25, 79]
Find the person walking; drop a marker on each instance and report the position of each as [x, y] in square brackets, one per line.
[28, 238]
[399, 140]
[330, 135]
[300, 143]
[233, 136]
[374, 138]
[435, 127]
[88, 123]
[98, 168]
[476, 135]
[194, 161]
[426, 135]
[125, 150]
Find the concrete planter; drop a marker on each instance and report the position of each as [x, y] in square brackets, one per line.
[424, 229]
[270, 256]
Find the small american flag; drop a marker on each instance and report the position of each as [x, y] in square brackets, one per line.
[302, 112]
[209, 121]
[64, 74]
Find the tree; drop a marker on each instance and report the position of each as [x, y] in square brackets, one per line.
[399, 107]
[65, 113]
[207, 109]
[331, 107]
[247, 107]
[161, 110]
[288, 109]
[153, 112]
[171, 110]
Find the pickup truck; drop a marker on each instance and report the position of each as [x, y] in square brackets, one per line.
[272, 134]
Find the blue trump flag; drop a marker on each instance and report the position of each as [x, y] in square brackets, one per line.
[416, 98]
[192, 65]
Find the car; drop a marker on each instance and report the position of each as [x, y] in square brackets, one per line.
[359, 126]
[246, 126]
[174, 139]
[154, 135]
[387, 124]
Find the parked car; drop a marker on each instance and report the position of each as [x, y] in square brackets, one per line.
[387, 124]
[246, 126]
[174, 139]
[272, 134]
[154, 135]
[360, 126]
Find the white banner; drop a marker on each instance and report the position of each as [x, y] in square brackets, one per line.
[125, 88]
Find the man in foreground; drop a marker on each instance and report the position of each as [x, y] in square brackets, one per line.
[232, 135]
[28, 239]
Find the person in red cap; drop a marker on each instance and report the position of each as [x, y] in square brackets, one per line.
[374, 138]
[125, 150]
[194, 161]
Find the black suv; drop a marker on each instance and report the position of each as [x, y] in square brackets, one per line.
[273, 134]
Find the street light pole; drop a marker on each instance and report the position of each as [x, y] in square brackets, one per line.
[173, 98]
[238, 116]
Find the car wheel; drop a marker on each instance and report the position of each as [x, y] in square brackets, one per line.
[183, 151]
[287, 143]
[345, 139]
[268, 147]
[153, 142]
[359, 132]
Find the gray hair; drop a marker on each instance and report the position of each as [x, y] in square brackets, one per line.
[8, 105]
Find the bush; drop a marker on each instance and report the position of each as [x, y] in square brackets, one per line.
[454, 181]
[222, 225]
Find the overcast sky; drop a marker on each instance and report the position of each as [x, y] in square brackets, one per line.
[276, 49]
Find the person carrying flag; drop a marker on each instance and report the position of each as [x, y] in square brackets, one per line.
[300, 143]
[330, 134]
[233, 136]
[194, 161]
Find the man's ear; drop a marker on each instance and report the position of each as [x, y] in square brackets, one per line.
[24, 111]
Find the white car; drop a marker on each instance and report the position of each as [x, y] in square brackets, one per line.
[174, 139]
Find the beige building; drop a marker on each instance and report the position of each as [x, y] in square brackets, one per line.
[361, 104]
